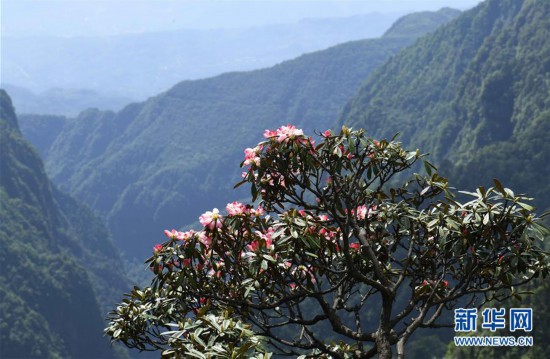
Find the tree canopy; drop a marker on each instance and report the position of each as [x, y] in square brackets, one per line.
[333, 258]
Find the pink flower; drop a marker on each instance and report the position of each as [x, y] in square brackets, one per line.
[364, 212]
[157, 248]
[188, 235]
[254, 246]
[266, 235]
[361, 212]
[269, 133]
[282, 181]
[174, 234]
[371, 155]
[204, 239]
[289, 132]
[211, 219]
[236, 209]
[327, 133]
[251, 156]
[259, 211]
[355, 246]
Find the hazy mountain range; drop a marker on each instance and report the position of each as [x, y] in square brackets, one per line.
[474, 92]
[158, 163]
[141, 65]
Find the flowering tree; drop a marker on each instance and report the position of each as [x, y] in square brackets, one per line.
[336, 260]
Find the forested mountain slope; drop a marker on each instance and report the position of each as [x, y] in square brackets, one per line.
[475, 93]
[60, 270]
[159, 163]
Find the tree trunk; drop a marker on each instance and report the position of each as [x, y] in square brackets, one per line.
[383, 345]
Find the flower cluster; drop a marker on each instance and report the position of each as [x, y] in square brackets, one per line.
[251, 155]
[211, 219]
[264, 240]
[366, 212]
[430, 283]
[431, 287]
[362, 211]
[330, 224]
[285, 134]
[177, 235]
[240, 209]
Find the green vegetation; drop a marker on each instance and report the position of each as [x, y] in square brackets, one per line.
[420, 23]
[150, 166]
[475, 93]
[60, 270]
[331, 243]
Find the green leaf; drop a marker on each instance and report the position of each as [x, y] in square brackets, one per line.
[526, 206]
[498, 185]
[481, 192]
[428, 168]
[509, 192]
[240, 184]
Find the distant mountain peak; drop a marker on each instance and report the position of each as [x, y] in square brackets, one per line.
[420, 23]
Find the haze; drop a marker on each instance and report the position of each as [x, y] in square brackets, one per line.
[108, 17]
[61, 57]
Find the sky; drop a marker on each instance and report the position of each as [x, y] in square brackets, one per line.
[70, 18]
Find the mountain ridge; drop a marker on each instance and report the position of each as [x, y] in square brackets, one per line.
[59, 266]
[141, 65]
[159, 162]
[473, 93]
